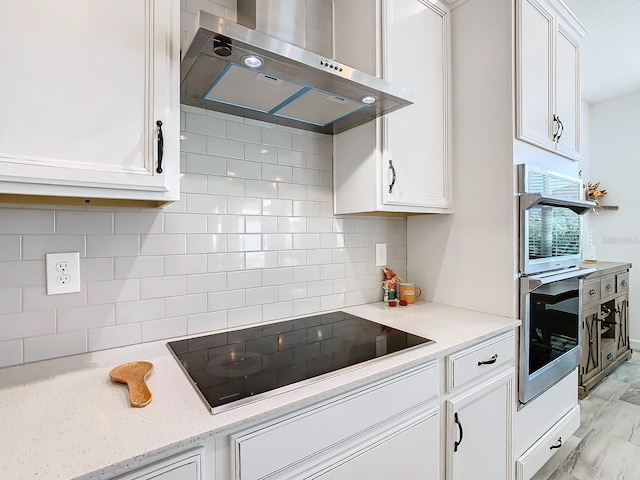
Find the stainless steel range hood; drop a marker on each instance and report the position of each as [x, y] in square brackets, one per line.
[292, 87]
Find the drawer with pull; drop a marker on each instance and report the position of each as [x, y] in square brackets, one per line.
[608, 286]
[467, 365]
[591, 291]
[622, 282]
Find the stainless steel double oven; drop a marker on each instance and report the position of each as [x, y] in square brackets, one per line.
[550, 278]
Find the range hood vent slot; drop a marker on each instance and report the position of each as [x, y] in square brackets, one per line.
[292, 86]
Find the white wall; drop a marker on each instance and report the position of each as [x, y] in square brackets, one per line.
[614, 141]
[253, 239]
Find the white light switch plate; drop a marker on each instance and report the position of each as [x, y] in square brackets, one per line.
[63, 272]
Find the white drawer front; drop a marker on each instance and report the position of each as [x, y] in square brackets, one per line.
[282, 444]
[533, 459]
[474, 362]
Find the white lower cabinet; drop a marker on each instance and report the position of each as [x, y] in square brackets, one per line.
[383, 430]
[186, 466]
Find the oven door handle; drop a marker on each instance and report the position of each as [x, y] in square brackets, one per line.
[530, 283]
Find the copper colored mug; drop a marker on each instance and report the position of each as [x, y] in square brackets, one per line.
[409, 292]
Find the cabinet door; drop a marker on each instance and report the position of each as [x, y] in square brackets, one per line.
[590, 344]
[81, 97]
[535, 73]
[187, 466]
[479, 431]
[567, 91]
[416, 56]
[411, 452]
[622, 324]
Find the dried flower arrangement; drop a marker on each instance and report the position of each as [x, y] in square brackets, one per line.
[594, 192]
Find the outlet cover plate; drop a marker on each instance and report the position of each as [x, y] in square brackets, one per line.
[63, 272]
[381, 254]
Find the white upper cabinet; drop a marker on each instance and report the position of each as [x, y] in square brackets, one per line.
[82, 93]
[548, 76]
[400, 163]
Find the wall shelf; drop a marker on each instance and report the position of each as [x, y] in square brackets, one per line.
[606, 207]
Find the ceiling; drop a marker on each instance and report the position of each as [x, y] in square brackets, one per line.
[610, 57]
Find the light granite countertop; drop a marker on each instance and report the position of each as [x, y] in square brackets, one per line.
[64, 418]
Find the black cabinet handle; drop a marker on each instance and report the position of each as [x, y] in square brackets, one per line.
[610, 356]
[492, 360]
[558, 445]
[560, 130]
[160, 146]
[457, 421]
[393, 179]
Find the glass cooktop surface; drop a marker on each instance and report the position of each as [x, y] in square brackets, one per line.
[233, 368]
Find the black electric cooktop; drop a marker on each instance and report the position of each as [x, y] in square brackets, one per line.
[233, 368]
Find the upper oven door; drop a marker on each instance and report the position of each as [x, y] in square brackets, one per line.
[550, 220]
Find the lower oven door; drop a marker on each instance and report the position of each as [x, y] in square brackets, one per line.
[551, 331]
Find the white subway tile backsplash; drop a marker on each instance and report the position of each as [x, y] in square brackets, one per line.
[244, 279]
[252, 239]
[31, 324]
[24, 221]
[277, 276]
[163, 287]
[244, 169]
[277, 173]
[225, 300]
[53, 346]
[138, 222]
[260, 153]
[204, 125]
[11, 353]
[10, 300]
[256, 224]
[112, 337]
[224, 147]
[84, 222]
[165, 328]
[112, 245]
[244, 316]
[244, 243]
[206, 322]
[290, 258]
[277, 241]
[291, 191]
[36, 298]
[185, 264]
[206, 282]
[34, 247]
[244, 205]
[138, 267]
[261, 295]
[179, 223]
[306, 241]
[303, 208]
[225, 262]
[9, 246]
[261, 260]
[113, 291]
[85, 317]
[185, 305]
[163, 244]
[139, 310]
[243, 132]
[96, 269]
[276, 207]
[276, 138]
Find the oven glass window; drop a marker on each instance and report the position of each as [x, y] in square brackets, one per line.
[553, 232]
[554, 322]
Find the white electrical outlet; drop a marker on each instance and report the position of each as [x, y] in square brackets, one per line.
[63, 272]
[381, 254]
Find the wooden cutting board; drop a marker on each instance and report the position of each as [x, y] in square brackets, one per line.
[134, 375]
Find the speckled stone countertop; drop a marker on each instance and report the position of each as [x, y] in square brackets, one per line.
[64, 419]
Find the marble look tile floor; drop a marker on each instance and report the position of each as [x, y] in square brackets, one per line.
[607, 444]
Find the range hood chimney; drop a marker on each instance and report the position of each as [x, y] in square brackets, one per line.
[234, 68]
